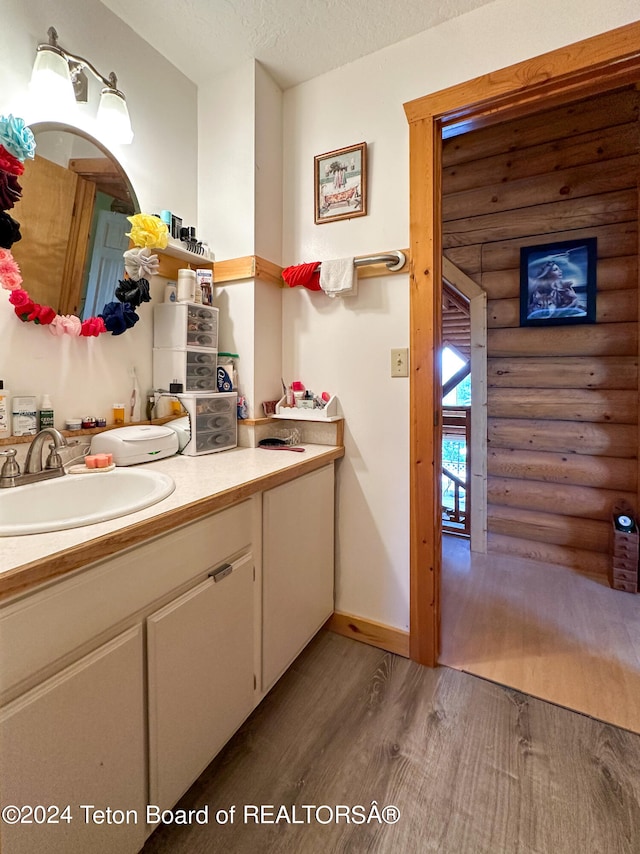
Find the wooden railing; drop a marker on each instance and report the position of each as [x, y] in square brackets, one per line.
[456, 422]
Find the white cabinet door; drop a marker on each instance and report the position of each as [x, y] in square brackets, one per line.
[201, 678]
[78, 740]
[297, 567]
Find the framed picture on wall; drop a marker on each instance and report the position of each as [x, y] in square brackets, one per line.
[340, 183]
[558, 283]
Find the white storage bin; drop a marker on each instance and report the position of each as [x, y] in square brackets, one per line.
[195, 369]
[178, 325]
[213, 422]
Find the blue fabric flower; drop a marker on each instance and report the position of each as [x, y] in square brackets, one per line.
[118, 317]
[17, 137]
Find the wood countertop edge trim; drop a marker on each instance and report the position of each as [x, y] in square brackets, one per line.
[20, 579]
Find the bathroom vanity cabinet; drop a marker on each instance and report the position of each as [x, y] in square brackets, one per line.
[121, 681]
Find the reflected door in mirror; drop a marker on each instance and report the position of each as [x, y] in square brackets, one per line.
[55, 213]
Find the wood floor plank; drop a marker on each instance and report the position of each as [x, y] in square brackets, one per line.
[474, 768]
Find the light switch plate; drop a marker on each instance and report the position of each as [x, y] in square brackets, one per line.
[400, 362]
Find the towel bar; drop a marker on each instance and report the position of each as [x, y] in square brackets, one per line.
[394, 260]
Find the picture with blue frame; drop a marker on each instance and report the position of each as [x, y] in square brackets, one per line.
[558, 283]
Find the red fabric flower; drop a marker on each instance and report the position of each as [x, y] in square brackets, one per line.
[303, 274]
[93, 326]
[9, 163]
[42, 314]
[19, 297]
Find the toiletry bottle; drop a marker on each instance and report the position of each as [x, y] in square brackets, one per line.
[45, 413]
[118, 414]
[5, 412]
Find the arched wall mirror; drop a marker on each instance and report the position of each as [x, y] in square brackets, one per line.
[73, 219]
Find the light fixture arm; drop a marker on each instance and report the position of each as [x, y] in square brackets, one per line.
[110, 82]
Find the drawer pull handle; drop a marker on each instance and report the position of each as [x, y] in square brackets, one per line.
[221, 572]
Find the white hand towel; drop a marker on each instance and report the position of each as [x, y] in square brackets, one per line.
[339, 277]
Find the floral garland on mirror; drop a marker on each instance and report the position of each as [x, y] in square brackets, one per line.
[17, 143]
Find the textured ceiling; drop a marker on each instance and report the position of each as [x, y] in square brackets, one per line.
[295, 40]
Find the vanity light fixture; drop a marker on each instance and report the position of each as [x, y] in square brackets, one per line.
[58, 76]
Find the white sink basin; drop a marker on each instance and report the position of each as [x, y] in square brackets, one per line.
[79, 499]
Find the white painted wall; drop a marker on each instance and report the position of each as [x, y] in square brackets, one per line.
[343, 346]
[85, 377]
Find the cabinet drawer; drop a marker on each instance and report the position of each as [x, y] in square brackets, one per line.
[48, 625]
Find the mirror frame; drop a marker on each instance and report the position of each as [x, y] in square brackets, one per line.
[61, 127]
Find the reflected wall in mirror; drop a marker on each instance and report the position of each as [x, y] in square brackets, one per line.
[73, 218]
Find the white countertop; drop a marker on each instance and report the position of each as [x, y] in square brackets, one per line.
[228, 476]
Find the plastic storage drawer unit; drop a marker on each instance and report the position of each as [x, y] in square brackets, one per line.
[180, 325]
[195, 369]
[213, 422]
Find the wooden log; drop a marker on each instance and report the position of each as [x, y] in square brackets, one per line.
[614, 240]
[467, 259]
[611, 307]
[583, 561]
[620, 339]
[563, 122]
[572, 469]
[577, 182]
[614, 372]
[603, 405]
[613, 274]
[573, 531]
[544, 159]
[547, 219]
[561, 499]
[606, 440]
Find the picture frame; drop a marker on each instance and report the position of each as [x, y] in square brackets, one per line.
[340, 183]
[558, 283]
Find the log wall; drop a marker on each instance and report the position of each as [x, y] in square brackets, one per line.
[562, 443]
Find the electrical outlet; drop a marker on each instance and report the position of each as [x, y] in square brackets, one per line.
[400, 362]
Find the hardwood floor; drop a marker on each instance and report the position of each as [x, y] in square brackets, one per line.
[474, 768]
[545, 630]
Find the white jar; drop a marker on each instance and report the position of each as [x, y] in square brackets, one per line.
[186, 285]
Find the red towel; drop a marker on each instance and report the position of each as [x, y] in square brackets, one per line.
[307, 275]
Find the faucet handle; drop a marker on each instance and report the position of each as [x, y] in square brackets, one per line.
[54, 460]
[10, 467]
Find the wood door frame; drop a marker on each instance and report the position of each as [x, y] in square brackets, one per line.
[579, 70]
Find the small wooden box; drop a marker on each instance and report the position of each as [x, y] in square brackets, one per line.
[623, 573]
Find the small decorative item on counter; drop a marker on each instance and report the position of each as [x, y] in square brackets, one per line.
[269, 407]
[118, 413]
[101, 422]
[88, 423]
[243, 410]
[73, 423]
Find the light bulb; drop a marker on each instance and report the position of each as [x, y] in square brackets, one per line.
[113, 117]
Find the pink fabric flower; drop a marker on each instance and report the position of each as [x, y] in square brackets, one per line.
[65, 324]
[10, 277]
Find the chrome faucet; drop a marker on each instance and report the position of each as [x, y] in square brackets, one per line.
[34, 470]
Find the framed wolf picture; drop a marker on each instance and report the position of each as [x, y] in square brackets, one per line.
[558, 283]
